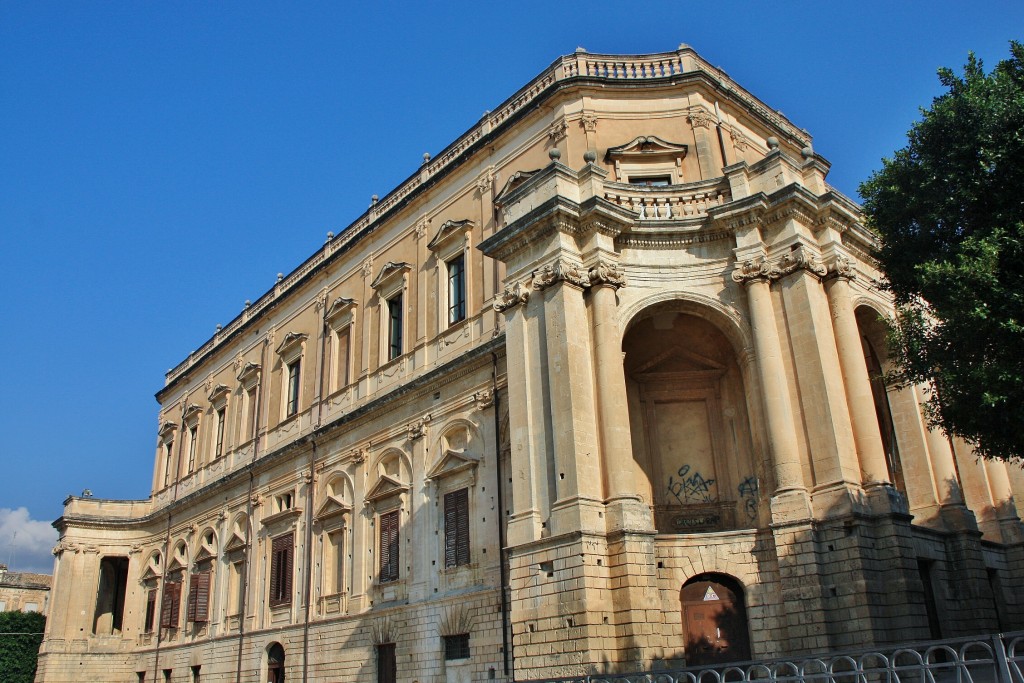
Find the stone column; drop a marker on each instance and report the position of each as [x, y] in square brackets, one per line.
[866, 436]
[778, 408]
[612, 412]
[1002, 500]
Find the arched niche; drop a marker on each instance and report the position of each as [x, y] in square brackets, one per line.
[275, 663]
[714, 618]
[690, 422]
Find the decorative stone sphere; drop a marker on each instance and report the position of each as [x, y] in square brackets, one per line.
[807, 152]
[590, 156]
[773, 142]
[555, 154]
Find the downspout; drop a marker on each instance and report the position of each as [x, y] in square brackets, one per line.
[167, 541]
[248, 511]
[505, 648]
[310, 497]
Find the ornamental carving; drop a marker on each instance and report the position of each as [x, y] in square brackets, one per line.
[484, 399]
[558, 130]
[739, 140]
[512, 296]
[841, 267]
[607, 274]
[700, 118]
[418, 429]
[588, 122]
[560, 271]
[762, 269]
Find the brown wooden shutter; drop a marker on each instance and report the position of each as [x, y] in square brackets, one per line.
[165, 607]
[389, 546]
[199, 597]
[171, 608]
[456, 528]
[281, 570]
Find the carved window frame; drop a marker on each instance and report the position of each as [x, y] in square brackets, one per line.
[248, 413]
[191, 418]
[292, 352]
[219, 419]
[392, 282]
[341, 321]
[631, 159]
[452, 240]
[165, 448]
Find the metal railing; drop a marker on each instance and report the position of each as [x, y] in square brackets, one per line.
[982, 659]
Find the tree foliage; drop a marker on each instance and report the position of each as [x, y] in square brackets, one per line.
[20, 636]
[949, 209]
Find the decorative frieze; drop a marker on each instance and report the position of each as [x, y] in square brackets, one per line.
[560, 271]
[513, 295]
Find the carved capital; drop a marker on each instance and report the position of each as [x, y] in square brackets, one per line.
[607, 274]
[753, 270]
[560, 271]
[418, 429]
[798, 260]
[484, 399]
[512, 296]
[558, 130]
[841, 267]
[588, 122]
[700, 118]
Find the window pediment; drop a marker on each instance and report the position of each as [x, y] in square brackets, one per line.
[284, 515]
[331, 508]
[517, 179]
[235, 543]
[249, 372]
[176, 564]
[678, 363]
[385, 488]
[204, 554]
[448, 232]
[645, 147]
[291, 343]
[339, 308]
[452, 463]
[192, 411]
[218, 392]
[391, 271]
[167, 428]
[150, 574]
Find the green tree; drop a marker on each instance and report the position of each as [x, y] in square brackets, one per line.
[20, 636]
[949, 209]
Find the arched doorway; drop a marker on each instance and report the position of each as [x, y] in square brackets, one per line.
[275, 663]
[714, 620]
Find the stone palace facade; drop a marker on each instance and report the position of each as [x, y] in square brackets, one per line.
[617, 349]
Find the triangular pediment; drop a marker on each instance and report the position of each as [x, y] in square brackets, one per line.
[191, 410]
[340, 306]
[647, 146]
[167, 428]
[290, 341]
[234, 543]
[218, 391]
[149, 574]
[332, 507]
[678, 359]
[390, 270]
[517, 179]
[204, 554]
[175, 565]
[451, 463]
[449, 229]
[248, 371]
[386, 487]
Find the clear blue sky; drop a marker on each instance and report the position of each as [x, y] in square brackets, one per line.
[161, 162]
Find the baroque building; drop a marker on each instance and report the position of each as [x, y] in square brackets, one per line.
[598, 388]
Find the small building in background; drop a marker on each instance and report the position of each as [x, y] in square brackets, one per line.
[23, 591]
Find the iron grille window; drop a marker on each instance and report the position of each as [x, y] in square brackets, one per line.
[294, 377]
[457, 289]
[456, 528]
[221, 418]
[395, 327]
[281, 570]
[389, 547]
[456, 647]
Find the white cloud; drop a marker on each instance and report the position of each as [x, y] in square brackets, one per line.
[26, 543]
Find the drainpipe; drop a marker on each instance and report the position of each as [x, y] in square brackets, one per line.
[248, 511]
[505, 646]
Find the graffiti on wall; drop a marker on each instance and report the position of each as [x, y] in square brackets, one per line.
[748, 494]
[690, 487]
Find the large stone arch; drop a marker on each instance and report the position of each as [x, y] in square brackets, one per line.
[692, 416]
[714, 616]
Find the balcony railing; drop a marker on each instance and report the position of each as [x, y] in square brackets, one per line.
[670, 202]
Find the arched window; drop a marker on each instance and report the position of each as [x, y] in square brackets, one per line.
[275, 663]
[714, 620]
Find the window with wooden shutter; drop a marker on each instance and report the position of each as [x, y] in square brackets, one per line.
[456, 528]
[199, 597]
[389, 546]
[170, 610]
[150, 609]
[281, 570]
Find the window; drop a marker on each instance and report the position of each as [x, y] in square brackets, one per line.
[199, 597]
[141, 675]
[250, 424]
[389, 547]
[150, 609]
[456, 647]
[195, 673]
[168, 458]
[294, 378]
[651, 181]
[218, 447]
[3, 605]
[395, 326]
[193, 434]
[336, 554]
[457, 289]
[387, 665]
[236, 584]
[167, 675]
[456, 528]
[281, 570]
[170, 611]
[31, 607]
[341, 358]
